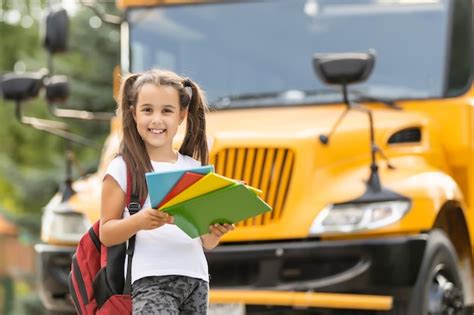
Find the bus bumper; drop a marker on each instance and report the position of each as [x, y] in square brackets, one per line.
[53, 265]
[344, 274]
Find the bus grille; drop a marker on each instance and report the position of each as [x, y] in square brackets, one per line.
[268, 169]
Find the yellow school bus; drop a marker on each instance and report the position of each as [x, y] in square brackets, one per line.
[355, 118]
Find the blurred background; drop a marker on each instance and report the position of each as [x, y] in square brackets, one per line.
[32, 163]
[370, 216]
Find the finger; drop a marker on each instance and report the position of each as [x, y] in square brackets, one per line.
[153, 214]
[162, 214]
[221, 228]
[169, 220]
[156, 223]
[215, 231]
[229, 227]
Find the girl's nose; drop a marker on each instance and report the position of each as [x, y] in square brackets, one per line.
[156, 119]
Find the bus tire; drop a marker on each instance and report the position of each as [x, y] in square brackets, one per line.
[438, 289]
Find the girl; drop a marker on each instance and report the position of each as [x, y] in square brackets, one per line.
[169, 269]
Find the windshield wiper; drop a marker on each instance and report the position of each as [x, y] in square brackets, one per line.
[362, 97]
[242, 99]
[272, 98]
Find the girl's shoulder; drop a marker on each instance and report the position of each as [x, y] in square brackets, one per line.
[189, 161]
[118, 170]
[117, 163]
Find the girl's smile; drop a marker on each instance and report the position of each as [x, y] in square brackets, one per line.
[158, 116]
[157, 131]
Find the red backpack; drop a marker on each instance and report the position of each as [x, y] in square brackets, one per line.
[96, 281]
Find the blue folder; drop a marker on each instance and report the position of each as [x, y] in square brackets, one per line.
[160, 183]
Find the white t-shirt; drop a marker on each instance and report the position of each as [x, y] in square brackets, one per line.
[166, 250]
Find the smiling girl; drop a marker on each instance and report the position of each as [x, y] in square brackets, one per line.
[169, 270]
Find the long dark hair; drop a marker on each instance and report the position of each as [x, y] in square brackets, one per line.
[132, 147]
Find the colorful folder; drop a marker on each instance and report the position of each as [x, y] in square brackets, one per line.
[208, 183]
[230, 204]
[184, 182]
[160, 183]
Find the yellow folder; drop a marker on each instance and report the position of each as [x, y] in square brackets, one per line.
[206, 184]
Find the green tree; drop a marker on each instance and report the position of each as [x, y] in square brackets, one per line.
[32, 162]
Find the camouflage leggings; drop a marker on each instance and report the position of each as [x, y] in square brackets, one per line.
[170, 295]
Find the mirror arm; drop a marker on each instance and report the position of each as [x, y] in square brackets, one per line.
[324, 139]
[67, 191]
[52, 127]
[345, 95]
[79, 114]
[107, 18]
[374, 178]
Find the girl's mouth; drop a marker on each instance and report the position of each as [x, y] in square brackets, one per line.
[157, 131]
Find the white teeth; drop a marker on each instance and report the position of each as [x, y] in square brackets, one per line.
[157, 131]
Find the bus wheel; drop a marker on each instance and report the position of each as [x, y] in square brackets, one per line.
[438, 289]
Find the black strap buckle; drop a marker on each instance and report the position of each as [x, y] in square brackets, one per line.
[133, 207]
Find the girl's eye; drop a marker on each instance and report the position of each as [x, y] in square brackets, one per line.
[168, 110]
[146, 109]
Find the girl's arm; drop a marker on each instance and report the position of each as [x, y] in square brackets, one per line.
[216, 231]
[113, 228]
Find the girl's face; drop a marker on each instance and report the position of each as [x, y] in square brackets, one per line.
[158, 116]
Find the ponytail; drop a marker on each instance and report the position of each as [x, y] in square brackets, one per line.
[132, 147]
[195, 142]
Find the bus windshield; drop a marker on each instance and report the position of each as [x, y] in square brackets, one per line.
[260, 53]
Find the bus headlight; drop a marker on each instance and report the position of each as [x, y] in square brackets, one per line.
[61, 224]
[348, 218]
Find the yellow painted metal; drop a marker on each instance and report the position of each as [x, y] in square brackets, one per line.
[322, 175]
[221, 161]
[239, 164]
[303, 299]
[438, 169]
[287, 168]
[229, 168]
[247, 178]
[307, 176]
[272, 190]
[265, 183]
[116, 81]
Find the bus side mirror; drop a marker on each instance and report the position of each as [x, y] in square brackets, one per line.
[56, 33]
[19, 87]
[57, 89]
[343, 68]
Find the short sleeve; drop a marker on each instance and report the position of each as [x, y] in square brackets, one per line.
[118, 170]
[190, 162]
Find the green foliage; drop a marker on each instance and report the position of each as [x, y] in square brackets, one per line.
[32, 162]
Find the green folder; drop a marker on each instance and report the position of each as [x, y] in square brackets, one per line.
[230, 204]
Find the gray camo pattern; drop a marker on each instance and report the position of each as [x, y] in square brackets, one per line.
[170, 295]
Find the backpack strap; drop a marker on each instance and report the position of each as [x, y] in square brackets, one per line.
[133, 205]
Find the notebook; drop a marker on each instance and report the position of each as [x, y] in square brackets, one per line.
[183, 183]
[160, 183]
[230, 204]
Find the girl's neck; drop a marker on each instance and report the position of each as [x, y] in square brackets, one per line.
[168, 155]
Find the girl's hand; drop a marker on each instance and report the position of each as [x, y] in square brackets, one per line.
[218, 230]
[149, 219]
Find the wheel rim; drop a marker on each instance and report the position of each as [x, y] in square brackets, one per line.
[444, 296]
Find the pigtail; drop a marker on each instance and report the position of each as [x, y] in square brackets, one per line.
[132, 145]
[195, 141]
